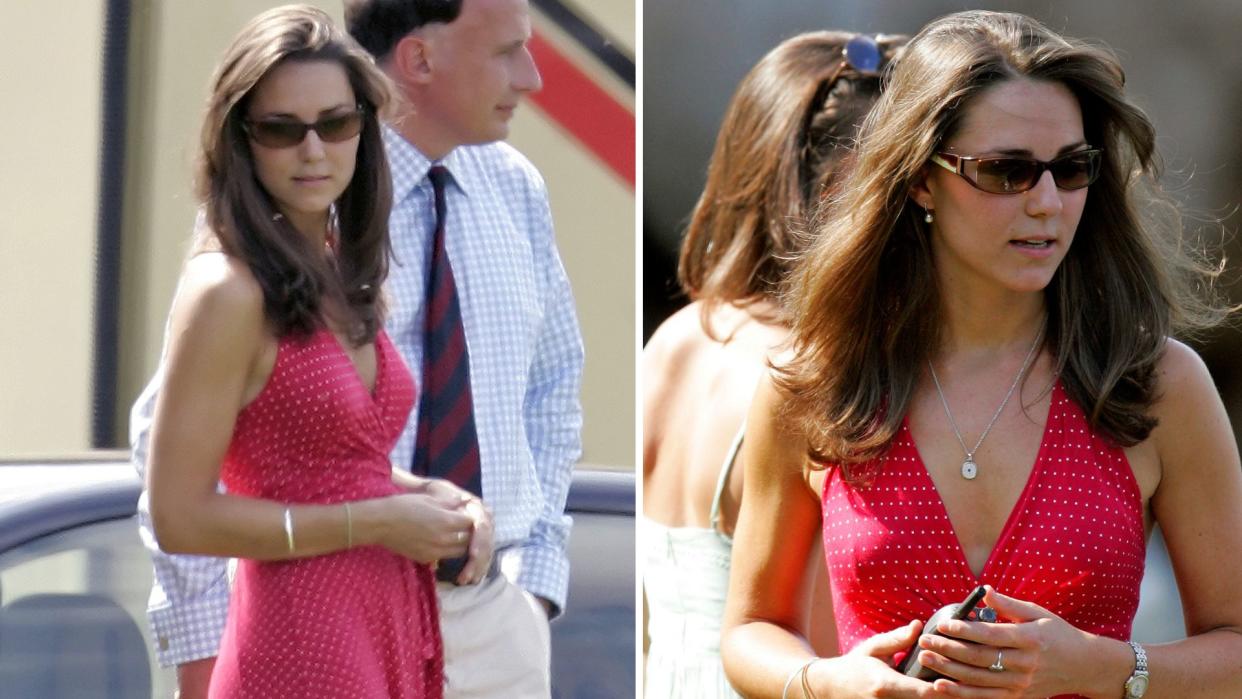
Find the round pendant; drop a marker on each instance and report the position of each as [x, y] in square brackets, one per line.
[969, 470]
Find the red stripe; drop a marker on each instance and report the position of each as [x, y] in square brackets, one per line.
[445, 363]
[450, 423]
[441, 293]
[590, 114]
[466, 470]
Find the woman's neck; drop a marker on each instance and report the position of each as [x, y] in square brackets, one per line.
[975, 324]
[313, 226]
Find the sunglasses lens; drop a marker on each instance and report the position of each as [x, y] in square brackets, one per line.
[277, 134]
[286, 133]
[339, 128]
[1076, 170]
[1006, 175]
[863, 54]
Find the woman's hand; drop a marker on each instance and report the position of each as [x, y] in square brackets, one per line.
[1042, 654]
[482, 530]
[866, 672]
[422, 527]
[448, 493]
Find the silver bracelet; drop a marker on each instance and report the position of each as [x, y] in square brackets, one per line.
[797, 671]
[289, 529]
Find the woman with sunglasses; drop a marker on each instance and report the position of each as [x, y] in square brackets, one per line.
[983, 389]
[782, 144]
[281, 382]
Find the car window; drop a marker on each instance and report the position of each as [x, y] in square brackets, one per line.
[73, 619]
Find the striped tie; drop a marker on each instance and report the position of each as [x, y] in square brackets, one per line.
[447, 445]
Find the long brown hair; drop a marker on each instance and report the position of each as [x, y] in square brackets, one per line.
[865, 299]
[789, 126]
[242, 219]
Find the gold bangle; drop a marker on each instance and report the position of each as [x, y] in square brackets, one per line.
[289, 529]
[800, 670]
[806, 684]
[349, 528]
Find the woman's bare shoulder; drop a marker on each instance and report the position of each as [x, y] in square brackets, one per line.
[743, 335]
[679, 332]
[222, 278]
[218, 294]
[1182, 383]
[216, 283]
[768, 423]
[1191, 421]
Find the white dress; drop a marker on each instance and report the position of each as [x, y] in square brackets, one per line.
[686, 579]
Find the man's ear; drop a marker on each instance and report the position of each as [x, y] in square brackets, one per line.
[411, 59]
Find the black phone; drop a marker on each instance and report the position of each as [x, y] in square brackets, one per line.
[910, 665]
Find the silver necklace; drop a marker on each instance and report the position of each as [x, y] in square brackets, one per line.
[969, 468]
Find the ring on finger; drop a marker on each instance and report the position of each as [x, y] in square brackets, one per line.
[999, 665]
[461, 536]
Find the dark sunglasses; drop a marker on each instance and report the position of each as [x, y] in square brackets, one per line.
[285, 133]
[1016, 175]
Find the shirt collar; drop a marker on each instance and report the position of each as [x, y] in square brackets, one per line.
[409, 166]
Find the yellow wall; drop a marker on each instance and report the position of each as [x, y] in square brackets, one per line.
[49, 168]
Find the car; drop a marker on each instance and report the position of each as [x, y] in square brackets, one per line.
[74, 581]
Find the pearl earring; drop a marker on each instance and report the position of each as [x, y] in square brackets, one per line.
[927, 215]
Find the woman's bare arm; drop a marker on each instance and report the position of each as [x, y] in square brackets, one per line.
[774, 556]
[216, 335]
[1198, 505]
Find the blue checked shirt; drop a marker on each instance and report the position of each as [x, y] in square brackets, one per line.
[525, 368]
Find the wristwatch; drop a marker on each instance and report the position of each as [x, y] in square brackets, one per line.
[1136, 686]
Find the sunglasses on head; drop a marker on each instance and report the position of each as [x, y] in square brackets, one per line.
[1014, 175]
[281, 132]
[862, 54]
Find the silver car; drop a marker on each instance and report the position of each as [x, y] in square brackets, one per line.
[74, 580]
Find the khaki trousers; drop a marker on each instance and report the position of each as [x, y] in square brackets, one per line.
[496, 642]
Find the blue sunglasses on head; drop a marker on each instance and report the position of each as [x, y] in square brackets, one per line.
[862, 53]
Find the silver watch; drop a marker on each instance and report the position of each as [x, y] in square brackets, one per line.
[1136, 686]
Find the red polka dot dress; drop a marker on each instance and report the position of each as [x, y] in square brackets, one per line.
[359, 623]
[1074, 542]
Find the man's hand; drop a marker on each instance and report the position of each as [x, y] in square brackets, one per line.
[482, 540]
[194, 677]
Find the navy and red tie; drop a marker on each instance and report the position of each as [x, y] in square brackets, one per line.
[447, 444]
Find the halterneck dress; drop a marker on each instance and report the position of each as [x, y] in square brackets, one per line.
[686, 580]
[358, 623]
[1074, 543]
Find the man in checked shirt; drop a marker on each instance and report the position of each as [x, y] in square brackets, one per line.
[463, 67]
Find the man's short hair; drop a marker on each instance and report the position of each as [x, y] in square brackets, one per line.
[379, 24]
